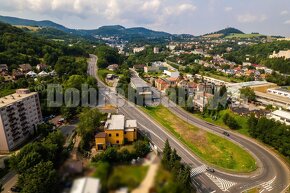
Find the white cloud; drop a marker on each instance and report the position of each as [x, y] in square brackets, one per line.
[287, 22]
[228, 9]
[251, 18]
[284, 12]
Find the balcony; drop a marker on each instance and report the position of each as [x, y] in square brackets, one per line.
[11, 114]
[13, 124]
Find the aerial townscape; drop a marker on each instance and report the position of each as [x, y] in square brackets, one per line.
[113, 109]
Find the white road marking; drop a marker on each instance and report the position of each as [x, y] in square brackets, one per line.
[224, 185]
[268, 185]
[198, 170]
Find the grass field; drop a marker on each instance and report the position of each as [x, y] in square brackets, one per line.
[212, 148]
[163, 180]
[129, 176]
[224, 78]
[102, 73]
[243, 36]
[242, 121]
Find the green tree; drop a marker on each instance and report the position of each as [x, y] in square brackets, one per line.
[248, 93]
[42, 178]
[142, 148]
[166, 154]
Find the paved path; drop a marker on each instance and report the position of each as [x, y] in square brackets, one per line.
[148, 181]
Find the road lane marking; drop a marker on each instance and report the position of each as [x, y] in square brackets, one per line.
[224, 185]
[198, 170]
[268, 185]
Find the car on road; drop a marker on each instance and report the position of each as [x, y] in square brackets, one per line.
[226, 133]
[210, 169]
[15, 189]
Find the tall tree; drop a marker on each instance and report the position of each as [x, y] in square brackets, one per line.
[166, 154]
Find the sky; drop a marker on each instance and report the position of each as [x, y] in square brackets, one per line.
[269, 17]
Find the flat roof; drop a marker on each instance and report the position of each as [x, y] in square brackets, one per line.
[131, 123]
[116, 122]
[273, 97]
[10, 99]
[139, 83]
[283, 114]
[86, 185]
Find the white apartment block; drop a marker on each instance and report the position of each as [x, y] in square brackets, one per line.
[172, 73]
[138, 49]
[279, 92]
[281, 54]
[20, 114]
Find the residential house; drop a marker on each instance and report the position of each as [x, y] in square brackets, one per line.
[138, 67]
[41, 67]
[161, 84]
[3, 68]
[25, 68]
[117, 131]
[16, 74]
[113, 67]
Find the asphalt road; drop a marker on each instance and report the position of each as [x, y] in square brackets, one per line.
[272, 175]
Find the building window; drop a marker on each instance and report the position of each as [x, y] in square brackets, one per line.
[110, 135]
[117, 134]
[117, 141]
[125, 132]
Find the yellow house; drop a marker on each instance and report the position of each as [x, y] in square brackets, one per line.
[118, 131]
[100, 139]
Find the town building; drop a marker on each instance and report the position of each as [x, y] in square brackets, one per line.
[25, 68]
[86, 185]
[280, 92]
[156, 50]
[281, 116]
[3, 68]
[138, 49]
[172, 73]
[281, 54]
[113, 67]
[161, 84]
[20, 114]
[41, 67]
[140, 86]
[117, 131]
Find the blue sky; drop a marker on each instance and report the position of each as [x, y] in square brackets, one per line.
[270, 17]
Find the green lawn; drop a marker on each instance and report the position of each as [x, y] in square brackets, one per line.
[253, 190]
[163, 180]
[240, 119]
[127, 176]
[212, 148]
[102, 73]
[224, 78]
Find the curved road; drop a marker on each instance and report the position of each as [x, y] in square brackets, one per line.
[272, 176]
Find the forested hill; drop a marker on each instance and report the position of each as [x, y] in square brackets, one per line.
[18, 47]
[226, 31]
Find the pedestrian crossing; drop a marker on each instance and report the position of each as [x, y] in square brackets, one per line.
[224, 185]
[198, 170]
[268, 185]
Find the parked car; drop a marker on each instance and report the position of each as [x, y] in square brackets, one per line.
[226, 133]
